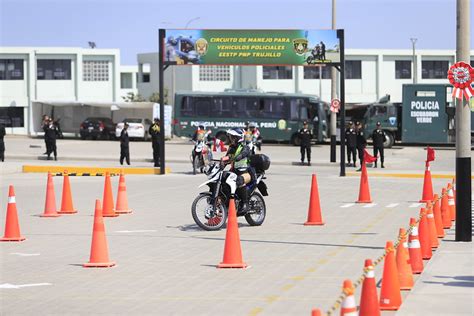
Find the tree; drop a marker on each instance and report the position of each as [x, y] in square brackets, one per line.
[132, 97]
[155, 97]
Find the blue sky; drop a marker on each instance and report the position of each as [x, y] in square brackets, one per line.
[131, 25]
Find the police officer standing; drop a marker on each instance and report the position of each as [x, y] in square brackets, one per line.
[351, 143]
[154, 132]
[361, 143]
[2, 143]
[124, 145]
[378, 138]
[305, 134]
[50, 135]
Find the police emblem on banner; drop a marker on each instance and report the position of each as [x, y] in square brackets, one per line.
[300, 45]
[201, 46]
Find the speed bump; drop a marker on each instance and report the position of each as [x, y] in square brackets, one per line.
[89, 171]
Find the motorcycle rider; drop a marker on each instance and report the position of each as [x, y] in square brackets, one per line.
[201, 135]
[238, 155]
[252, 137]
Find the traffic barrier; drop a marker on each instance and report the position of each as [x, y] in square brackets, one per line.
[425, 239]
[405, 273]
[108, 199]
[232, 251]
[66, 198]
[390, 297]
[432, 226]
[438, 217]
[369, 301]
[364, 190]
[314, 210]
[122, 201]
[445, 213]
[451, 203]
[414, 248]
[99, 257]
[427, 194]
[50, 209]
[348, 307]
[12, 226]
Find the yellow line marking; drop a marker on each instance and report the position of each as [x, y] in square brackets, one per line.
[91, 170]
[298, 278]
[311, 270]
[255, 311]
[322, 261]
[334, 252]
[287, 287]
[403, 175]
[271, 299]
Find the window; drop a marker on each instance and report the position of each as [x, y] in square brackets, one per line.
[245, 107]
[95, 70]
[313, 72]
[54, 69]
[126, 80]
[277, 72]
[273, 108]
[353, 69]
[203, 106]
[221, 107]
[12, 116]
[434, 69]
[214, 73]
[187, 108]
[11, 69]
[298, 109]
[146, 77]
[402, 69]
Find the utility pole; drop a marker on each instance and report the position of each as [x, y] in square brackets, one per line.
[463, 131]
[333, 96]
[415, 68]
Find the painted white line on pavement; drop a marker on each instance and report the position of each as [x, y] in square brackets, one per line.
[347, 205]
[135, 231]
[416, 205]
[370, 205]
[19, 286]
[25, 254]
[392, 205]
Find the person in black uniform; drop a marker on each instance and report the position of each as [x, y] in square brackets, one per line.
[50, 135]
[305, 134]
[2, 143]
[351, 143]
[124, 142]
[154, 132]
[378, 138]
[361, 143]
[45, 122]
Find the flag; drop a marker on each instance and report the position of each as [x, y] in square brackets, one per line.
[368, 158]
[430, 154]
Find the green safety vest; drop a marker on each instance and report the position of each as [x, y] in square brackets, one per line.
[242, 163]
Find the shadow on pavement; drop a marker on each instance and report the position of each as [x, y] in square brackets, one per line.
[461, 281]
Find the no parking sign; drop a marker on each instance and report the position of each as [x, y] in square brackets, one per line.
[335, 105]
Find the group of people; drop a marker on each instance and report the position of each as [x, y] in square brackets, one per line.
[319, 51]
[356, 143]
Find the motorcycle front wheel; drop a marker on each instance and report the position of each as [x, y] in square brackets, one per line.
[205, 215]
[258, 210]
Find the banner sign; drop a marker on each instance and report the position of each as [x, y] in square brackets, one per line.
[251, 47]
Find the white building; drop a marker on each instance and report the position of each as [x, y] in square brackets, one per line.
[33, 78]
[370, 74]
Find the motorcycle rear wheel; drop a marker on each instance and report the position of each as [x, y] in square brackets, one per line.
[203, 214]
[258, 210]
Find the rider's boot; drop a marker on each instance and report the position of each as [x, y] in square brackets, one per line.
[244, 204]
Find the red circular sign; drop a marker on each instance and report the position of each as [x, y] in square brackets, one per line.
[335, 105]
[461, 76]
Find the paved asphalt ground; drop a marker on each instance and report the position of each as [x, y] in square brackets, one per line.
[166, 265]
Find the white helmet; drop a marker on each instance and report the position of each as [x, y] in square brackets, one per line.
[235, 135]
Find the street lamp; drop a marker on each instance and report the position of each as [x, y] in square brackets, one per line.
[413, 42]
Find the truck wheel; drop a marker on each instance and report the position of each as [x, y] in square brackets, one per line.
[295, 140]
[389, 140]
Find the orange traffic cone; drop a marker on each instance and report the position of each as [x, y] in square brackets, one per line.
[414, 248]
[451, 203]
[405, 274]
[369, 301]
[445, 212]
[432, 226]
[316, 312]
[108, 202]
[50, 204]
[232, 250]
[427, 185]
[66, 200]
[122, 201]
[425, 239]
[364, 190]
[99, 251]
[437, 217]
[12, 227]
[348, 307]
[314, 210]
[390, 297]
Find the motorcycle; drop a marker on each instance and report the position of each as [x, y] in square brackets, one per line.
[200, 155]
[209, 209]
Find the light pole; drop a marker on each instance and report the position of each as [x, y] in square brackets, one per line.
[413, 42]
[333, 117]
